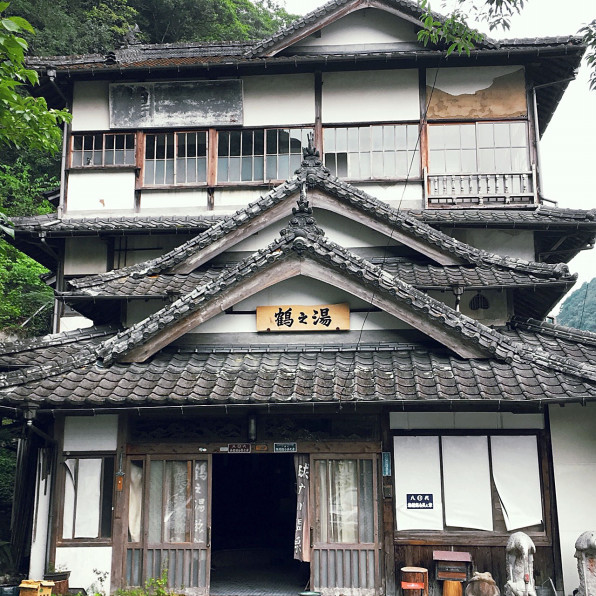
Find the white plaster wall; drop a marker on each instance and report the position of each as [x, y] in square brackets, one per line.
[90, 107]
[84, 255]
[91, 433]
[574, 461]
[100, 192]
[173, 201]
[398, 195]
[82, 560]
[463, 81]
[368, 26]
[464, 420]
[513, 243]
[370, 96]
[39, 538]
[279, 100]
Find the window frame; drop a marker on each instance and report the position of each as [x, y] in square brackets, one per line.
[102, 151]
[61, 477]
[410, 153]
[483, 537]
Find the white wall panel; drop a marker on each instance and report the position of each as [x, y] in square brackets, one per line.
[41, 513]
[574, 460]
[513, 243]
[82, 562]
[363, 27]
[100, 192]
[90, 106]
[90, 433]
[279, 100]
[464, 420]
[370, 96]
[172, 201]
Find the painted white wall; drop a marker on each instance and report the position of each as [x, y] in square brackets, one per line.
[91, 433]
[173, 201]
[513, 243]
[463, 81]
[90, 108]
[72, 323]
[363, 27]
[85, 255]
[370, 96]
[279, 100]
[82, 560]
[574, 461]
[399, 195]
[40, 515]
[464, 420]
[100, 192]
[228, 200]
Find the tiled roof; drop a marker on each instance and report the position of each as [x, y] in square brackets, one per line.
[420, 276]
[535, 218]
[253, 375]
[541, 217]
[315, 175]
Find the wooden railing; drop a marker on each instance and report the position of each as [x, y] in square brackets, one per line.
[479, 189]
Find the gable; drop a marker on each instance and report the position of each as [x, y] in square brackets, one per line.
[369, 29]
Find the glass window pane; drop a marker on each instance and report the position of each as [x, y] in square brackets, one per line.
[169, 179]
[437, 162]
[246, 168]
[412, 132]
[177, 500]
[353, 165]
[485, 135]
[342, 165]
[284, 141]
[181, 177]
[149, 172]
[222, 169]
[517, 132]
[135, 501]
[364, 164]
[366, 525]
[377, 138]
[271, 167]
[343, 501]
[486, 161]
[364, 133]
[400, 137]
[283, 167]
[223, 144]
[468, 161]
[468, 136]
[519, 159]
[258, 142]
[436, 137]
[234, 169]
[119, 139]
[353, 139]
[258, 168]
[377, 164]
[329, 139]
[452, 161]
[452, 136]
[389, 164]
[77, 143]
[201, 170]
[247, 146]
[235, 138]
[502, 135]
[341, 139]
[503, 160]
[69, 497]
[155, 501]
[330, 163]
[388, 138]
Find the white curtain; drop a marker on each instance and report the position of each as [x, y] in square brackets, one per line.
[517, 478]
[135, 501]
[466, 482]
[417, 473]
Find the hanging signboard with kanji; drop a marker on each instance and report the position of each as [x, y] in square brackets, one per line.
[323, 317]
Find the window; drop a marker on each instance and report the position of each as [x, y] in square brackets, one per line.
[371, 152]
[489, 483]
[175, 158]
[259, 155]
[88, 487]
[99, 149]
[482, 147]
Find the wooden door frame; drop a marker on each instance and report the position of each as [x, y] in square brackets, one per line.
[375, 457]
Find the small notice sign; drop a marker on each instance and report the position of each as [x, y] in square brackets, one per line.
[239, 448]
[386, 463]
[293, 317]
[285, 447]
[419, 501]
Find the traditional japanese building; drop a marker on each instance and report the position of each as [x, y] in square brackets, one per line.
[300, 322]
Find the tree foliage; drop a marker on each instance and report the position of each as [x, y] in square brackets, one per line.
[579, 309]
[25, 121]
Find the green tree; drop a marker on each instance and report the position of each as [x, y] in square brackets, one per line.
[459, 36]
[579, 309]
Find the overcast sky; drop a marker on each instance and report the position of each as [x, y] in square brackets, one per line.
[568, 147]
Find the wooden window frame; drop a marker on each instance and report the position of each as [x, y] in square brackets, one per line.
[102, 150]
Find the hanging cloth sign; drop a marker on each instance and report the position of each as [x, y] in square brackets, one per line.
[302, 532]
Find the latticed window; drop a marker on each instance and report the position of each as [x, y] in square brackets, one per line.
[176, 158]
[103, 149]
[481, 147]
[259, 155]
[371, 152]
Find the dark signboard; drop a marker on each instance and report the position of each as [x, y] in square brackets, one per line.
[419, 501]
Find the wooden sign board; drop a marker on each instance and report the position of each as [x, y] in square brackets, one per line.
[293, 317]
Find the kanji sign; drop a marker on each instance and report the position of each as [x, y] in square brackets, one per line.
[419, 501]
[324, 317]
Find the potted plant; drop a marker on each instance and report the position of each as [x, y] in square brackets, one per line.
[59, 575]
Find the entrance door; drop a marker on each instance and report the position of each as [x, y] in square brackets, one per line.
[345, 535]
[169, 522]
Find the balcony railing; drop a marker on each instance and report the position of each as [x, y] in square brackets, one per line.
[480, 189]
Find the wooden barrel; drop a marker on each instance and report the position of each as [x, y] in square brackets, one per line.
[414, 581]
[452, 588]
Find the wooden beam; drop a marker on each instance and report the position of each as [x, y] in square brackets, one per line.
[325, 201]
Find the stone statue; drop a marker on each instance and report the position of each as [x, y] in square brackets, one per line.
[520, 565]
[585, 553]
[482, 584]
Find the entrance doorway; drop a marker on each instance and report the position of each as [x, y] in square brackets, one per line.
[253, 524]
